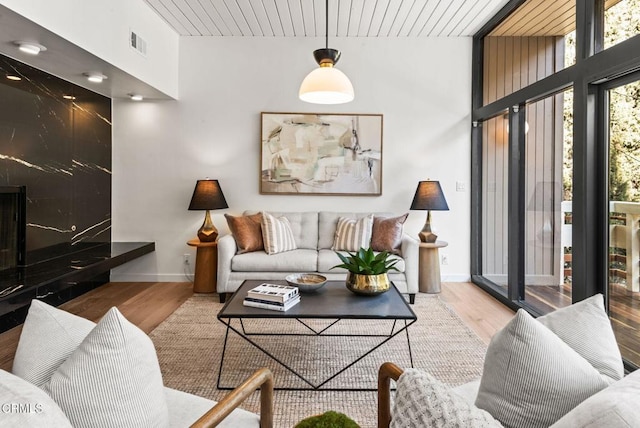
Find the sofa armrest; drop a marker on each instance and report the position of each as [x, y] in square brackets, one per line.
[227, 248]
[410, 251]
[387, 372]
[263, 379]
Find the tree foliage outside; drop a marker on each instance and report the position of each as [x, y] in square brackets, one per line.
[622, 21]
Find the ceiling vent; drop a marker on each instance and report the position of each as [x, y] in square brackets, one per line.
[138, 43]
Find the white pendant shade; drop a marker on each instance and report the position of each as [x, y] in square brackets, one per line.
[326, 85]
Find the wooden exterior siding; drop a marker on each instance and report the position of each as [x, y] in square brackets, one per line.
[512, 63]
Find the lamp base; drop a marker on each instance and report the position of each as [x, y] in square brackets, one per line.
[426, 235]
[208, 232]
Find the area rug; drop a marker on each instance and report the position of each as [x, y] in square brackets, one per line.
[189, 345]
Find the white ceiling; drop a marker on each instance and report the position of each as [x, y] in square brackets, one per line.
[306, 18]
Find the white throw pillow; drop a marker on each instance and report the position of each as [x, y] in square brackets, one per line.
[585, 326]
[112, 379]
[49, 335]
[531, 378]
[613, 407]
[24, 405]
[353, 234]
[423, 401]
[277, 235]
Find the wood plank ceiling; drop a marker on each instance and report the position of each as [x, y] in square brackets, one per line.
[306, 18]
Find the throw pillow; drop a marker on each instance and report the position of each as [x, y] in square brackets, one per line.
[353, 234]
[386, 234]
[613, 407]
[24, 405]
[277, 234]
[423, 401]
[112, 379]
[531, 378]
[585, 326]
[247, 231]
[49, 335]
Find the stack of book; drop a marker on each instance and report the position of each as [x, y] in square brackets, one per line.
[272, 296]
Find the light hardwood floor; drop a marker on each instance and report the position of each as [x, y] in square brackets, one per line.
[148, 304]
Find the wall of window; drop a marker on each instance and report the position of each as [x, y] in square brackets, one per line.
[542, 82]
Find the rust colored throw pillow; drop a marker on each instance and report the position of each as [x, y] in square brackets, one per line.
[387, 233]
[247, 231]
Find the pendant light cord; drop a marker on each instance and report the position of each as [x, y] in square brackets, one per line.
[326, 24]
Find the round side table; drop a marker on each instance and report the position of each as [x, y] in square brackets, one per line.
[429, 267]
[206, 270]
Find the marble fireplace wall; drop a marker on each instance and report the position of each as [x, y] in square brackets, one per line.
[55, 139]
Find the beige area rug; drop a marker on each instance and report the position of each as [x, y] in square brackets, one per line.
[189, 345]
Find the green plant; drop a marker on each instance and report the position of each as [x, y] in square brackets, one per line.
[366, 262]
[328, 419]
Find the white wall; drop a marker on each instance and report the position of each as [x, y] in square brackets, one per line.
[421, 86]
[102, 28]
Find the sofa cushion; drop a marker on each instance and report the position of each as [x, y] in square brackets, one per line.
[613, 407]
[24, 405]
[112, 379]
[353, 234]
[585, 326]
[328, 259]
[49, 335]
[386, 234]
[247, 231]
[423, 401]
[304, 226]
[291, 261]
[327, 222]
[531, 378]
[276, 234]
[185, 409]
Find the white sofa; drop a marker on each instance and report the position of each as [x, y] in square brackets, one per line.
[314, 234]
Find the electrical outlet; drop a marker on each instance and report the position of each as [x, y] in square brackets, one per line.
[461, 186]
[186, 258]
[444, 259]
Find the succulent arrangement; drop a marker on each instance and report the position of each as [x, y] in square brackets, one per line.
[328, 419]
[366, 262]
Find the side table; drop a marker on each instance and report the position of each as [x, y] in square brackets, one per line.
[206, 270]
[429, 267]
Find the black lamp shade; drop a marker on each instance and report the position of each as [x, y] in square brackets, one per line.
[208, 196]
[429, 196]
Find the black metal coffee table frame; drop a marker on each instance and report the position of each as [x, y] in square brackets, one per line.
[333, 301]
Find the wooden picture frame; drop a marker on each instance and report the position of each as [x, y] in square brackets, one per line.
[321, 154]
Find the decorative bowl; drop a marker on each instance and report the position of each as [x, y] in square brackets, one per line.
[306, 282]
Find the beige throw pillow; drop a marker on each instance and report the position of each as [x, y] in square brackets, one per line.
[277, 234]
[353, 234]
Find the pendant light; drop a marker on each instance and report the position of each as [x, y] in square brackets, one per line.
[326, 84]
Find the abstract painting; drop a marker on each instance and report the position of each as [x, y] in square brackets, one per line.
[321, 154]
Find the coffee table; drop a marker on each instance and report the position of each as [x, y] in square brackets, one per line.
[332, 302]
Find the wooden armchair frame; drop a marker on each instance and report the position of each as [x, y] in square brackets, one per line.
[387, 372]
[262, 379]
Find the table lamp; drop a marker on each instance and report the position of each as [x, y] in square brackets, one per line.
[429, 197]
[207, 196]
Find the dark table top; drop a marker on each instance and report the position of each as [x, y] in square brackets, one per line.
[332, 301]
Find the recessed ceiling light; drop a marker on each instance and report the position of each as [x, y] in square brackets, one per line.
[13, 77]
[95, 77]
[68, 97]
[32, 48]
[136, 97]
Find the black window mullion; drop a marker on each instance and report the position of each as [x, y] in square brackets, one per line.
[516, 204]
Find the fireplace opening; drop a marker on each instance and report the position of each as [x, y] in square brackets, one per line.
[13, 203]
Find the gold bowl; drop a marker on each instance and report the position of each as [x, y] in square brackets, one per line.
[306, 282]
[367, 285]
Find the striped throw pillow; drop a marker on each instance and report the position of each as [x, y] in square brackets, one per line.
[353, 234]
[276, 234]
[112, 379]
